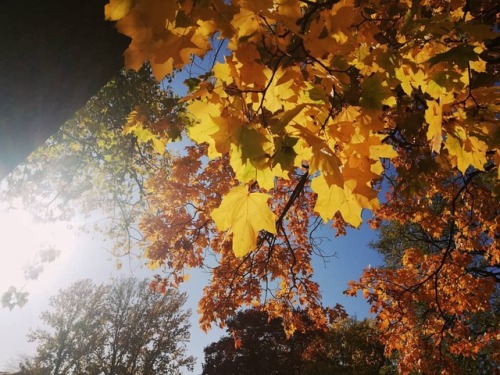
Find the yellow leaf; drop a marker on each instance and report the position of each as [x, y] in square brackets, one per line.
[117, 9]
[158, 145]
[252, 170]
[229, 131]
[375, 92]
[145, 135]
[281, 90]
[284, 118]
[323, 158]
[248, 26]
[478, 66]
[403, 74]
[465, 151]
[390, 101]
[244, 214]
[435, 90]
[203, 130]
[136, 125]
[349, 114]
[434, 117]
[419, 80]
[154, 264]
[334, 198]
[382, 151]
[250, 151]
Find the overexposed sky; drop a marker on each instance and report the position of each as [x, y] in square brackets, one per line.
[82, 256]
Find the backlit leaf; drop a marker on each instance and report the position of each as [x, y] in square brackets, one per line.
[244, 215]
[434, 117]
[117, 9]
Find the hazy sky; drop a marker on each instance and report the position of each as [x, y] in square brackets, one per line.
[82, 257]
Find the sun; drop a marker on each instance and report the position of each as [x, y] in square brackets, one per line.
[28, 246]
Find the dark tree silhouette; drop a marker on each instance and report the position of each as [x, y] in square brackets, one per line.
[257, 345]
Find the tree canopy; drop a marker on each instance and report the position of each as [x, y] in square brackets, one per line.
[314, 111]
[395, 237]
[97, 167]
[120, 328]
[256, 345]
[311, 113]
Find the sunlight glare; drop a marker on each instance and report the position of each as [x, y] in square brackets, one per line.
[22, 239]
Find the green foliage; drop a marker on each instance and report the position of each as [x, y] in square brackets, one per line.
[14, 297]
[395, 237]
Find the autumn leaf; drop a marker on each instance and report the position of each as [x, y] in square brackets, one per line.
[136, 125]
[434, 117]
[323, 158]
[375, 93]
[460, 55]
[283, 119]
[117, 9]
[465, 151]
[244, 215]
[334, 198]
[257, 170]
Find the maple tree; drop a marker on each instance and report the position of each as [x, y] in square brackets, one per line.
[395, 238]
[313, 109]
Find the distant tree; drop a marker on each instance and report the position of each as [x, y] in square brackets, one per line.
[257, 345]
[118, 329]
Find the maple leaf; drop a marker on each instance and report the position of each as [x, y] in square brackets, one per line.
[332, 198]
[434, 117]
[375, 92]
[253, 170]
[323, 158]
[465, 151]
[136, 125]
[244, 214]
[284, 118]
[285, 155]
[117, 9]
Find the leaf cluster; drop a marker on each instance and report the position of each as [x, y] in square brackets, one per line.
[437, 300]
